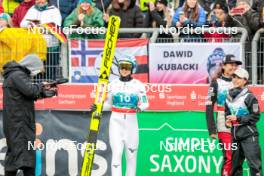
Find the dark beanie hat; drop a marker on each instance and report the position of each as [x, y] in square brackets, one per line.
[165, 2]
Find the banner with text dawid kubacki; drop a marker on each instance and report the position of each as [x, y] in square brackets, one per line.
[187, 63]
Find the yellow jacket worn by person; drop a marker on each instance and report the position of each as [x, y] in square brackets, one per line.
[16, 43]
[10, 5]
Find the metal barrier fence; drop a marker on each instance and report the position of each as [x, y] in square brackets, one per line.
[57, 64]
[258, 57]
[53, 66]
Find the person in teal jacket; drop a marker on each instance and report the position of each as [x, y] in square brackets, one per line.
[86, 15]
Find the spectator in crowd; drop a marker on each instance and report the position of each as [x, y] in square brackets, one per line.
[1, 6]
[65, 6]
[209, 4]
[38, 15]
[190, 15]
[41, 13]
[218, 15]
[258, 5]
[159, 15]
[21, 11]
[244, 16]
[19, 94]
[217, 18]
[85, 15]
[130, 14]
[206, 4]
[5, 21]
[10, 5]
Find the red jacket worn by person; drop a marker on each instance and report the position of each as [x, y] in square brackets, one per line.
[21, 11]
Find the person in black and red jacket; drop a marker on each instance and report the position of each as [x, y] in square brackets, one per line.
[217, 94]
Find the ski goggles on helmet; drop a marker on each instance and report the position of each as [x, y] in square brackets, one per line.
[125, 65]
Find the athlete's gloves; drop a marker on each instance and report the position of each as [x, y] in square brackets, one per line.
[93, 107]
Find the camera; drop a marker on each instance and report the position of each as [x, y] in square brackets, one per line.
[50, 93]
[57, 82]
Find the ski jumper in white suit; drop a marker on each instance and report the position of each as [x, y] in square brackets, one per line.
[124, 99]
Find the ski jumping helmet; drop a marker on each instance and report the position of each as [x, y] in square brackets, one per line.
[128, 60]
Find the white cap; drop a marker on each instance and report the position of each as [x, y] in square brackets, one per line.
[242, 73]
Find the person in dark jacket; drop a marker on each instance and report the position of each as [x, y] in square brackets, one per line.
[85, 15]
[21, 11]
[159, 14]
[247, 17]
[258, 5]
[217, 93]
[130, 14]
[19, 95]
[242, 114]
[65, 6]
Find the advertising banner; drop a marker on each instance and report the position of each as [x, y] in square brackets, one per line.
[170, 143]
[162, 97]
[187, 63]
[179, 144]
[62, 146]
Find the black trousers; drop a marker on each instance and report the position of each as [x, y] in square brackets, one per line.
[249, 149]
[27, 171]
